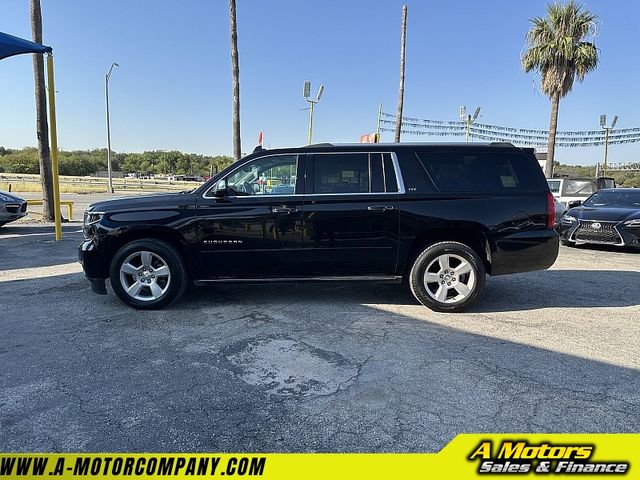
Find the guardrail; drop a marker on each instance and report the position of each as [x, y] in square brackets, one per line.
[620, 167]
[66, 203]
[125, 183]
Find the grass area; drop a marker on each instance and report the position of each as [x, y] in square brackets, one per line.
[36, 187]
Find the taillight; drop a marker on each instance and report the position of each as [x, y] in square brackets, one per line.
[551, 211]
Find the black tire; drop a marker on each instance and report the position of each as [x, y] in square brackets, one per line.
[426, 293]
[161, 253]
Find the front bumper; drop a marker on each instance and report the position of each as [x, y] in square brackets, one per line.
[92, 266]
[611, 233]
[12, 211]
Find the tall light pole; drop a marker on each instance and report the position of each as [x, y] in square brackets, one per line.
[468, 119]
[603, 124]
[312, 102]
[106, 90]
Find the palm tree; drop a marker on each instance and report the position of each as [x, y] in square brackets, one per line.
[559, 50]
[403, 42]
[42, 126]
[236, 80]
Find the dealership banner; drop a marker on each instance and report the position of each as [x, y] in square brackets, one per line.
[466, 456]
[519, 136]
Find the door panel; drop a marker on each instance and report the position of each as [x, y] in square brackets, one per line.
[254, 228]
[351, 234]
[347, 230]
[247, 237]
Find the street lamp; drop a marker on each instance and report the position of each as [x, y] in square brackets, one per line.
[307, 92]
[468, 119]
[106, 89]
[603, 124]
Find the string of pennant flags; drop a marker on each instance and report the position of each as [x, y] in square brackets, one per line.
[520, 136]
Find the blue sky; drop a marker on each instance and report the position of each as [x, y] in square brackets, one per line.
[173, 89]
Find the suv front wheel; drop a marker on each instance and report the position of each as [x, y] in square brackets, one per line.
[148, 274]
[447, 277]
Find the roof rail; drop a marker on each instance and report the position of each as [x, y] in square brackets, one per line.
[326, 144]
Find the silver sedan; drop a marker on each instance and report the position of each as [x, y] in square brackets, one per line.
[11, 207]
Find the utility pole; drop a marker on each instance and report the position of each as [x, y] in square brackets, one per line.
[403, 43]
[307, 92]
[235, 73]
[603, 124]
[106, 90]
[42, 126]
[468, 120]
[379, 122]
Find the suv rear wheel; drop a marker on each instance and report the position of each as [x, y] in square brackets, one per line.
[148, 274]
[447, 277]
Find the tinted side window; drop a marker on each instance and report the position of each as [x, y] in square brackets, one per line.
[377, 173]
[487, 171]
[414, 175]
[390, 180]
[341, 173]
[271, 175]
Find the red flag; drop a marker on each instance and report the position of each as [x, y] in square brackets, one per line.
[260, 139]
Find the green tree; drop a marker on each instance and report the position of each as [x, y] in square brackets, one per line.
[558, 48]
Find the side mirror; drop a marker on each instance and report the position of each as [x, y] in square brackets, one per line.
[575, 203]
[220, 193]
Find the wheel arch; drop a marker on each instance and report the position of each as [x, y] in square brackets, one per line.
[474, 238]
[164, 234]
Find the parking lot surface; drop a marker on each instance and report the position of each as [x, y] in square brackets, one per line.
[310, 367]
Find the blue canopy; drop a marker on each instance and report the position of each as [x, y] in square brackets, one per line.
[10, 45]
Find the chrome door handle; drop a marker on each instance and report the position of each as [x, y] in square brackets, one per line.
[285, 210]
[380, 208]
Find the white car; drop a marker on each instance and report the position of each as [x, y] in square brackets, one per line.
[567, 190]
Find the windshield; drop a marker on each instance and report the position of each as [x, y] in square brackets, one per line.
[578, 188]
[554, 185]
[614, 199]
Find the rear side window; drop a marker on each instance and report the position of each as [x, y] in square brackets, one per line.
[390, 180]
[341, 173]
[377, 173]
[414, 175]
[483, 171]
[353, 173]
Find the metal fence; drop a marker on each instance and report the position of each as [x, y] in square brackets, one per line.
[125, 183]
[620, 167]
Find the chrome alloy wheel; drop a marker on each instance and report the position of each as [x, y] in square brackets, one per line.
[145, 276]
[449, 278]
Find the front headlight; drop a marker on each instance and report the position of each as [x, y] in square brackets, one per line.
[568, 219]
[632, 223]
[92, 217]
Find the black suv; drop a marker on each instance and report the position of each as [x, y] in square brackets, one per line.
[439, 215]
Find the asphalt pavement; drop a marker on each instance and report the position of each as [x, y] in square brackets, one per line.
[310, 367]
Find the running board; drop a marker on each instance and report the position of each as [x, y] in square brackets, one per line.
[353, 278]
